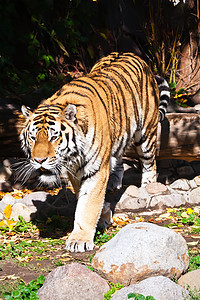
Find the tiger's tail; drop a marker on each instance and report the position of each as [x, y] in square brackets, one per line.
[164, 96]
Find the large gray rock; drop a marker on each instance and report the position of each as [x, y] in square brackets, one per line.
[142, 250]
[160, 287]
[72, 282]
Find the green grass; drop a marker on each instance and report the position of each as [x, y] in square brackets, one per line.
[194, 262]
[136, 296]
[8, 285]
[25, 248]
[25, 292]
[113, 288]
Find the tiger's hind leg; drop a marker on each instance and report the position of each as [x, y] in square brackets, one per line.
[116, 176]
[106, 217]
[146, 149]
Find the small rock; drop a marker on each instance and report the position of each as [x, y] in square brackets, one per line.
[73, 281]
[192, 184]
[134, 198]
[191, 279]
[197, 180]
[142, 250]
[180, 184]
[172, 200]
[36, 202]
[160, 287]
[7, 199]
[195, 196]
[155, 188]
[130, 203]
[35, 196]
[19, 209]
[133, 191]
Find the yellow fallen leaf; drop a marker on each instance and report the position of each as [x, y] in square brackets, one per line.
[8, 211]
[189, 210]
[10, 224]
[2, 223]
[169, 210]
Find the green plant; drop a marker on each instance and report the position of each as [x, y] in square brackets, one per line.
[103, 237]
[137, 296]
[114, 287]
[8, 285]
[179, 96]
[190, 217]
[28, 291]
[194, 262]
[58, 263]
[194, 294]
[20, 226]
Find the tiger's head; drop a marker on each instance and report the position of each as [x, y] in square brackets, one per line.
[50, 141]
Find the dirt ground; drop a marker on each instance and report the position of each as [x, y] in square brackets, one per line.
[41, 263]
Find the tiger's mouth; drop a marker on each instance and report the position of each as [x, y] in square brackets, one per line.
[44, 171]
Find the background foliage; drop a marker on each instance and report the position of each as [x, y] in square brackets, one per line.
[46, 42]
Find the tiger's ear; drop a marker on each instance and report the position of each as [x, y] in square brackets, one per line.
[26, 111]
[70, 112]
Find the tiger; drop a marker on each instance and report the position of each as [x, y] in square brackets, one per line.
[84, 128]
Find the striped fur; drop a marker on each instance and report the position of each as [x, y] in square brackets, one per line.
[164, 96]
[83, 130]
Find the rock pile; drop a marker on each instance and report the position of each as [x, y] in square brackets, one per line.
[143, 257]
[158, 196]
[155, 196]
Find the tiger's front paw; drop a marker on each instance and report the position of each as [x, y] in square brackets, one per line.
[77, 243]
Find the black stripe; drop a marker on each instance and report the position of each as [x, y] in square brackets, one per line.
[91, 88]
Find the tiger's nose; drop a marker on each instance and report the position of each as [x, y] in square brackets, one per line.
[40, 160]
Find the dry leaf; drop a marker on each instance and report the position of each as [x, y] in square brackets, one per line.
[8, 211]
[2, 223]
